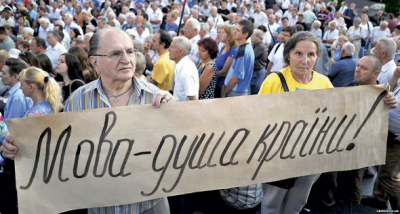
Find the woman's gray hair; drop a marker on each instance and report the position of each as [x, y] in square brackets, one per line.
[183, 43]
[317, 22]
[296, 38]
[140, 64]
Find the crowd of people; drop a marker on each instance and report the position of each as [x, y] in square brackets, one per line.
[60, 56]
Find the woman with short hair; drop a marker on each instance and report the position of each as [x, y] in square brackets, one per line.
[208, 50]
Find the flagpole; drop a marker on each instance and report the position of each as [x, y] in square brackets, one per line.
[180, 21]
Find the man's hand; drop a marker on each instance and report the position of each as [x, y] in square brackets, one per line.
[162, 97]
[8, 148]
[390, 100]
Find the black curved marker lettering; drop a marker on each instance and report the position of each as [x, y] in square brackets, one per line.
[204, 151]
[182, 167]
[106, 130]
[66, 141]
[221, 160]
[195, 153]
[291, 155]
[213, 151]
[47, 132]
[77, 154]
[371, 111]
[47, 174]
[328, 151]
[163, 168]
[261, 141]
[127, 155]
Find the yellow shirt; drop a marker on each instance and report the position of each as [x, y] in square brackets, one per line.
[272, 84]
[163, 72]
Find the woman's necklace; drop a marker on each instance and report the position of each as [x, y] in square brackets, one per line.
[115, 98]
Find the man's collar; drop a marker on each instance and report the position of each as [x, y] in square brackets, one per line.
[139, 86]
[14, 88]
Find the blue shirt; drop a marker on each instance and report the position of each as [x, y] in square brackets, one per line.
[342, 72]
[17, 104]
[126, 27]
[221, 59]
[242, 68]
[171, 27]
[41, 108]
[33, 14]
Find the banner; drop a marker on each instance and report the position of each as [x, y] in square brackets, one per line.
[122, 155]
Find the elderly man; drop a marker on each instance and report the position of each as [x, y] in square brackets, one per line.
[260, 60]
[385, 51]
[67, 38]
[112, 55]
[204, 30]
[381, 31]
[342, 72]
[155, 16]
[55, 49]
[191, 31]
[112, 19]
[69, 24]
[259, 16]
[141, 32]
[130, 22]
[186, 84]
[330, 36]
[215, 17]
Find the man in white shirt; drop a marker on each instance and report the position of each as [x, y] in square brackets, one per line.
[55, 49]
[259, 16]
[231, 4]
[69, 24]
[112, 18]
[330, 36]
[67, 38]
[276, 60]
[272, 25]
[7, 19]
[186, 84]
[293, 18]
[140, 32]
[191, 31]
[155, 16]
[215, 17]
[385, 50]
[381, 31]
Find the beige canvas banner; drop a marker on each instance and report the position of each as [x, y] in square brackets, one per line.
[123, 155]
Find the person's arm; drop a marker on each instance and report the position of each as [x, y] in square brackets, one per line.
[8, 148]
[205, 78]
[268, 71]
[224, 71]
[227, 88]
[192, 97]
[394, 78]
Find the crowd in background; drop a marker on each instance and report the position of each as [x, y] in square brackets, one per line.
[206, 50]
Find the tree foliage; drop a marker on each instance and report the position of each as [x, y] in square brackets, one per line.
[392, 6]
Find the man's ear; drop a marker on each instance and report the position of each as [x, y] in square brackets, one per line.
[93, 62]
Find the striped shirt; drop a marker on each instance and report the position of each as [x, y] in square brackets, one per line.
[92, 96]
[394, 114]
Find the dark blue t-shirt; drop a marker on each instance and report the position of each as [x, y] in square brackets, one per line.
[220, 62]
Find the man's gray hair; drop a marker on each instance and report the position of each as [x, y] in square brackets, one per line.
[91, 27]
[195, 23]
[332, 22]
[389, 46]
[205, 27]
[383, 23]
[94, 44]
[29, 30]
[68, 15]
[348, 48]
[258, 33]
[89, 35]
[183, 43]
[377, 63]
[317, 22]
[112, 14]
[131, 15]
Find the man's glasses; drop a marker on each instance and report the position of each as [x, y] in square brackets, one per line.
[117, 54]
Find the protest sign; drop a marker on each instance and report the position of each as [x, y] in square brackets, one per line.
[122, 155]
